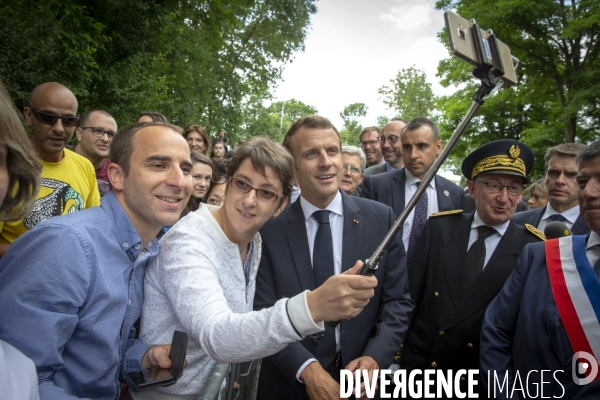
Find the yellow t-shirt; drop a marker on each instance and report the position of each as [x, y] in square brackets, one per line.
[65, 187]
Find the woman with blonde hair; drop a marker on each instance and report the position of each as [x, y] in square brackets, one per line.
[197, 138]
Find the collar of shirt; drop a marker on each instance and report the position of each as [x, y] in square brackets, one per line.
[413, 180]
[571, 214]
[336, 206]
[129, 238]
[593, 240]
[501, 229]
[592, 248]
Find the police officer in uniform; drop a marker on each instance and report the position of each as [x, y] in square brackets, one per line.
[463, 260]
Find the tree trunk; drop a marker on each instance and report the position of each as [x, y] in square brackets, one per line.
[570, 129]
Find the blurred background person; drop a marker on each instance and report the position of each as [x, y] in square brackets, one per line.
[218, 150]
[370, 143]
[538, 194]
[197, 138]
[19, 183]
[216, 191]
[151, 116]
[201, 179]
[353, 166]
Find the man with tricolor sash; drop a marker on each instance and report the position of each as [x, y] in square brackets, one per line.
[542, 332]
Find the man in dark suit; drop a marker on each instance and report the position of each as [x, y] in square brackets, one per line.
[292, 261]
[561, 170]
[527, 326]
[421, 145]
[463, 260]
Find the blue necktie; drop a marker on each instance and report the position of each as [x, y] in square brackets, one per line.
[557, 217]
[419, 220]
[322, 270]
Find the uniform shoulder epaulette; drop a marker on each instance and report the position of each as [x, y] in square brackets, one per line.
[441, 213]
[535, 231]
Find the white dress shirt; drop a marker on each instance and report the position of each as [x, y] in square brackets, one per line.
[336, 221]
[592, 248]
[491, 242]
[410, 187]
[570, 215]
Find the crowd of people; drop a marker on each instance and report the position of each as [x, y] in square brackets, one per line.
[109, 246]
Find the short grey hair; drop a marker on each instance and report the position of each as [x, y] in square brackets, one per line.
[356, 151]
[589, 152]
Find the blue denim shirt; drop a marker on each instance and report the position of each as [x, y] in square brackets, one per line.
[70, 292]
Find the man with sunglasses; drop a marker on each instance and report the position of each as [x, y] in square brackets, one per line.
[463, 260]
[95, 132]
[391, 148]
[68, 181]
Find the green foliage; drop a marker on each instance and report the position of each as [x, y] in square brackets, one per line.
[207, 62]
[275, 120]
[352, 128]
[409, 94]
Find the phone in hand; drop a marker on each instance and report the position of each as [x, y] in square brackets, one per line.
[156, 377]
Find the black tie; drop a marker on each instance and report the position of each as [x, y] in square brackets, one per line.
[322, 270]
[476, 254]
[419, 220]
[557, 217]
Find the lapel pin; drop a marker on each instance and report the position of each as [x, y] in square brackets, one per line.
[356, 221]
[446, 193]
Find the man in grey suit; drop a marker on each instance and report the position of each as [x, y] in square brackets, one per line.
[561, 171]
[391, 148]
[421, 145]
[326, 224]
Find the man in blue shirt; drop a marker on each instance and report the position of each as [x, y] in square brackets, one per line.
[71, 287]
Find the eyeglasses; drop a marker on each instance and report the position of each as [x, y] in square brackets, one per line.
[50, 118]
[392, 139]
[352, 168]
[370, 143]
[219, 179]
[262, 194]
[494, 187]
[99, 132]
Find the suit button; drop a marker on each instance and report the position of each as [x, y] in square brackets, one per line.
[442, 333]
[436, 294]
[434, 364]
[564, 378]
[470, 345]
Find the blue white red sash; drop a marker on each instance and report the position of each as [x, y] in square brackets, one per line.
[576, 292]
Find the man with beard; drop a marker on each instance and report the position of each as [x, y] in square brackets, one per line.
[391, 148]
[68, 181]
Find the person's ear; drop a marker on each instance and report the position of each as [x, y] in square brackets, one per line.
[28, 116]
[116, 176]
[79, 134]
[282, 203]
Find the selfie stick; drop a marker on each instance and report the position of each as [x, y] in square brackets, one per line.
[486, 72]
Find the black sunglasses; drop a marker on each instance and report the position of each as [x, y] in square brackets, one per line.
[50, 119]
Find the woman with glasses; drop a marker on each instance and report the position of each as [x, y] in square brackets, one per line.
[203, 280]
[216, 191]
[202, 170]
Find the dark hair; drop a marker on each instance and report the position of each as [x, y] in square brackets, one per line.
[23, 166]
[212, 149]
[197, 158]
[418, 122]
[220, 168]
[369, 129]
[310, 122]
[564, 149]
[589, 152]
[265, 152]
[121, 147]
[156, 116]
[197, 128]
[83, 121]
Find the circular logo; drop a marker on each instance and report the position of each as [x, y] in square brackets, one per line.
[584, 372]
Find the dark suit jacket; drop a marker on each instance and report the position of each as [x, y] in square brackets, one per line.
[522, 330]
[446, 322]
[533, 217]
[388, 188]
[286, 270]
[376, 169]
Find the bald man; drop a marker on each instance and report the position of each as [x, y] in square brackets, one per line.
[391, 148]
[68, 180]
